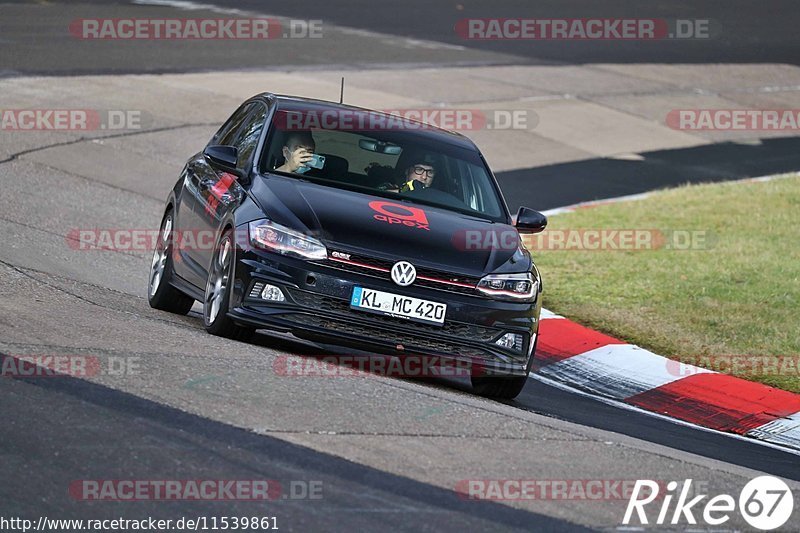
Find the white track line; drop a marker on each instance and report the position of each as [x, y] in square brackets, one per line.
[643, 195]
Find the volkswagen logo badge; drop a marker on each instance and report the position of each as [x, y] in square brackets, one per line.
[404, 273]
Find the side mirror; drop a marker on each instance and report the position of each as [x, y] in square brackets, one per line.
[530, 221]
[223, 156]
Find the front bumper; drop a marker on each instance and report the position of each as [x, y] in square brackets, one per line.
[317, 307]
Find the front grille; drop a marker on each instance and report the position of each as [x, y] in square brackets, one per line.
[321, 302]
[411, 342]
[255, 292]
[380, 268]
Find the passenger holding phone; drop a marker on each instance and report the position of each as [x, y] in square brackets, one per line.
[298, 152]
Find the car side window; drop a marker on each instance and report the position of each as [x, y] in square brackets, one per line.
[231, 126]
[249, 133]
[243, 130]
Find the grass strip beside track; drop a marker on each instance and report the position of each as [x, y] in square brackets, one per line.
[718, 286]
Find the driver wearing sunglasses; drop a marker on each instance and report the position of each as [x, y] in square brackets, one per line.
[418, 176]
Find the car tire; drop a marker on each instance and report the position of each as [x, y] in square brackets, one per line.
[160, 294]
[217, 293]
[503, 388]
[500, 388]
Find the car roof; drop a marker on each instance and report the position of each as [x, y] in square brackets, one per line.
[298, 103]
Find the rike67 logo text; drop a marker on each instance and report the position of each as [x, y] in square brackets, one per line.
[765, 503]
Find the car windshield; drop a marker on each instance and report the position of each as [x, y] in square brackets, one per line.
[370, 153]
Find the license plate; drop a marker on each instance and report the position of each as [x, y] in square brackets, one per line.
[408, 307]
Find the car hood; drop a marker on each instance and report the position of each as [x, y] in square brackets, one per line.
[391, 229]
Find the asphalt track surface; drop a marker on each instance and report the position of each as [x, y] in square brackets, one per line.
[740, 31]
[387, 451]
[746, 32]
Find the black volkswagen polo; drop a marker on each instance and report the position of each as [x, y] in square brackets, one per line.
[356, 228]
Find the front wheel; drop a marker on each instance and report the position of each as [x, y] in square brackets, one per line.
[217, 295]
[160, 294]
[503, 388]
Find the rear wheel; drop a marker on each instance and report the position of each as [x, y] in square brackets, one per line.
[160, 294]
[217, 295]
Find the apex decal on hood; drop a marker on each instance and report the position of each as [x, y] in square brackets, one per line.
[407, 216]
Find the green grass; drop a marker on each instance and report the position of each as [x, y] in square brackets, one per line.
[736, 295]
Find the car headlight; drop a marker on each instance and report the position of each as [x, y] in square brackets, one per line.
[268, 235]
[509, 286]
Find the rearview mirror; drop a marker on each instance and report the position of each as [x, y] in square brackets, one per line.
[530, 221]
[379, 147]
[224, 156]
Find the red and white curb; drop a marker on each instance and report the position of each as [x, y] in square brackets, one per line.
[606, 368]
[603, 366]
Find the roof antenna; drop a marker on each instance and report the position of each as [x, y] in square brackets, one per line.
[341, 92]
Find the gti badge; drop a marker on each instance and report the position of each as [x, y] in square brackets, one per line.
[404, 273]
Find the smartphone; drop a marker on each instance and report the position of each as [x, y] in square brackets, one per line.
[317, 161]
